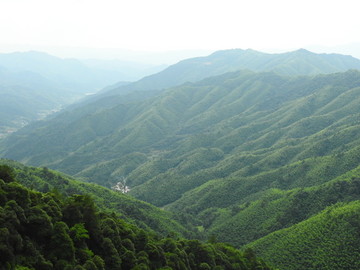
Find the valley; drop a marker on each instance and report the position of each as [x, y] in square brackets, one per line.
[34, 84]
[22, 122]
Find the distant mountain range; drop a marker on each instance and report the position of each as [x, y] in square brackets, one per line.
[300, 62]
[80, 76]
[34, 84]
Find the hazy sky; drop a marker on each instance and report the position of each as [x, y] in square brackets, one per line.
[158, 25]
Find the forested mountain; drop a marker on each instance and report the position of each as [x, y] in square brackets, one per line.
[300, 62]
[48, 231]
[328, 240]
[249, 158]
[246, 116]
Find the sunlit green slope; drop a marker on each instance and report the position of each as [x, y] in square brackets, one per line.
[329, 240]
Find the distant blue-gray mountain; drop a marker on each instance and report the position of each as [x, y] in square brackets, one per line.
[300, 62]
[33, 84]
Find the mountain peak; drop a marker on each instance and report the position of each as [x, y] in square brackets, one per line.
[302, 51]
[236, 52]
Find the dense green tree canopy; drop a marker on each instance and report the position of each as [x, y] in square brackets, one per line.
[33, 236]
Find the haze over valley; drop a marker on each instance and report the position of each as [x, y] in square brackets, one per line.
[35, 84]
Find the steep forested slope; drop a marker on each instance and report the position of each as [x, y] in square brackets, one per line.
[46, 231]
[249, 218]
[142, 214]
[329, 240]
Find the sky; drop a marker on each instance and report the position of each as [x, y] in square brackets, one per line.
[135, 28]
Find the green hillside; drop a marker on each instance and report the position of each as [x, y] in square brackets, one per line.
[47, 231]
[329, 240]
[239, 124]
[250, 218]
